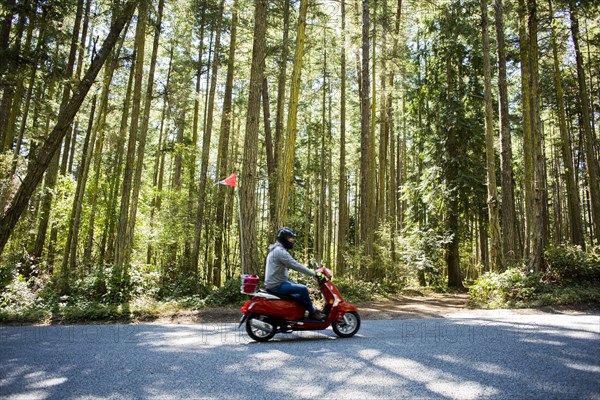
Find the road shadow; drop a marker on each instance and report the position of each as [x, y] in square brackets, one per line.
[428, 358]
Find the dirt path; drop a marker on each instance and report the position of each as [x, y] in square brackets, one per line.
[410, 307]
[403, 307]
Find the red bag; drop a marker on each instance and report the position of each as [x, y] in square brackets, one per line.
[249, 284]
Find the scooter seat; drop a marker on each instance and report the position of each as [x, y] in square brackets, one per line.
[282, 296]
[265, 295]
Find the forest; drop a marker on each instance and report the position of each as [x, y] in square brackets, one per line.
[439, 143]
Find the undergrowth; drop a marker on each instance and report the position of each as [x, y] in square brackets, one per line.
[570, 276]
[38, 299]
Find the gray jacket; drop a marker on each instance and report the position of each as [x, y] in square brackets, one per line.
[278, 262]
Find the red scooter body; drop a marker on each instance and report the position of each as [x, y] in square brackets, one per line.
[267, 314]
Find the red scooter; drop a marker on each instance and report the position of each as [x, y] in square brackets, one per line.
[267, 314]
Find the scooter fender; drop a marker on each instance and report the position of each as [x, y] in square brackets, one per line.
[343, 308]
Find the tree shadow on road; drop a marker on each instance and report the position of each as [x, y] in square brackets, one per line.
[429, 358]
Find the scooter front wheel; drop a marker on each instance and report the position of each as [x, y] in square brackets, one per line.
[348, 326]
[260, 328]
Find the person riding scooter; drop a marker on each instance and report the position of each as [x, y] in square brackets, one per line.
[279, 260]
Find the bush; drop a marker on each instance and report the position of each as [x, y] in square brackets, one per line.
[569, 265]
[182, 287]
[229, 293]
[355, 291]
[508, 288]
[570, 276]
[18, 296]
[7, 275]
[19, 301]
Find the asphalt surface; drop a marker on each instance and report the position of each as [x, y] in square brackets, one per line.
[497, 357]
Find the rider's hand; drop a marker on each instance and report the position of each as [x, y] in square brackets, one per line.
[320, 275]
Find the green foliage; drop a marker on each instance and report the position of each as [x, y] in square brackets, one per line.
[573, 295]
[424, 249]
[568, 265]
[511, 287]
[18, 296]
[229, 293]
[180, 286]
[356, 291]
[571, 275]
[98, 297]
[7, 275]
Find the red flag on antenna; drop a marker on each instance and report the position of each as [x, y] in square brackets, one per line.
[231, 180]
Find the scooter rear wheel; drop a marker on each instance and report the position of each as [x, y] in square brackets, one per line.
[349, 325]
[260, 328]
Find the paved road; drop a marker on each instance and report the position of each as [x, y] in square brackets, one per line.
[499, 357]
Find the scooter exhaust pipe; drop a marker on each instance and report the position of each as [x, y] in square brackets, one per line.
[261, 325]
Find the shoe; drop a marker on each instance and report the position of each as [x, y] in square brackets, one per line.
[317, 315]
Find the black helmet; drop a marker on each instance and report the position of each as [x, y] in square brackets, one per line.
[284, 235]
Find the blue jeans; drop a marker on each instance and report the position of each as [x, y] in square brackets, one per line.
[300, 292]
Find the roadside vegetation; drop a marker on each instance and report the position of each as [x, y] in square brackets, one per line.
[37, 300]
[571, 276]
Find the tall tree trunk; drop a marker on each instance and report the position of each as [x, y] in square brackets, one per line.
[329, 243]
[206, 151]
[322, 179]
[6, 18]
[537, 237]
[574, 204]
[49, 183]
[270, 150]
[107, 248]
[143, 133]
[366, 160]
[193, 148]
[18, 85]
[526, 120]
[159, 160]
[46, 153]
[248, 208]
[558, 231]
[69, 260]
[99, 128]
[372, 150]
[286, 165]
[84, 34]
[224, 139]
[178, 167]
[382, 182]
[496, 262]
[24, 118]
[342, 235]
[52, 172]
[122, 245]
[281, 86]
[394, 165]
[66, 150]
[70, 155]
[308, 202]
[8, 12]
[590, 154]
[451, 175]
[509, 244]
